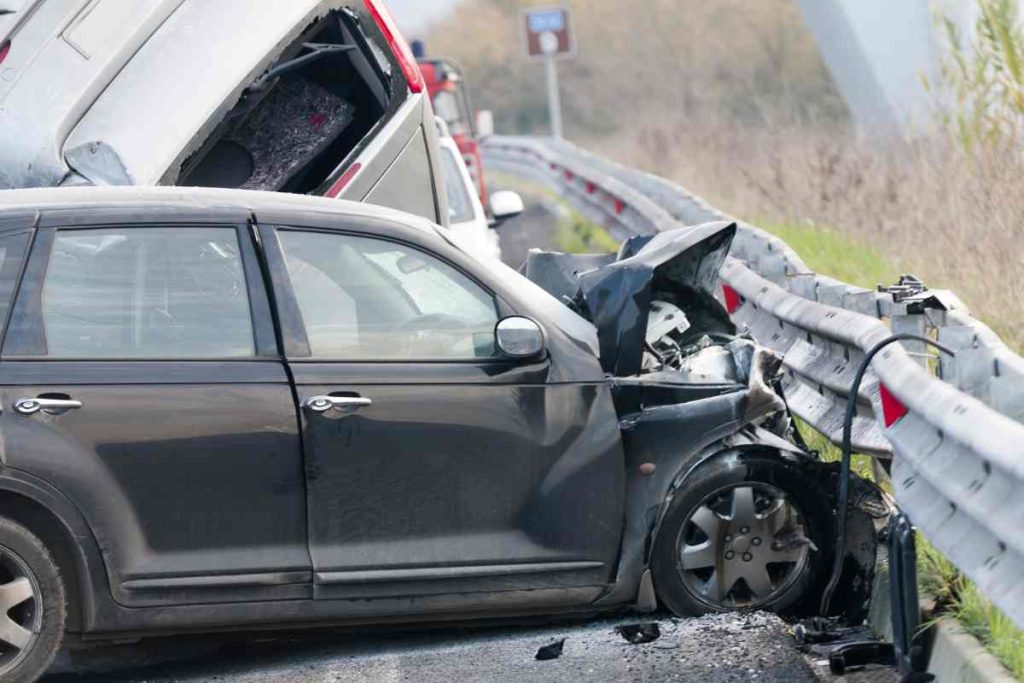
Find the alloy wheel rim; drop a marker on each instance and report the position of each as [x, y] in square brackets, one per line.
[743, 546]
[21, 613]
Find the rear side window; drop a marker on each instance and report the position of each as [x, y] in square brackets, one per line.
[296, 124]
[146, 293]
[12, 253]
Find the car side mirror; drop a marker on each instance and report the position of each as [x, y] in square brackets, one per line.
[505, 204]
[519, 337]
[484, 124]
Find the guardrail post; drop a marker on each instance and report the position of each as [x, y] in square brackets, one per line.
[911, 323]
[973, 367]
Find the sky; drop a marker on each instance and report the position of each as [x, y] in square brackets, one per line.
[414, 16]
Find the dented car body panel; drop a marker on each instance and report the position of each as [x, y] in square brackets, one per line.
[455, 489]
[687, 387]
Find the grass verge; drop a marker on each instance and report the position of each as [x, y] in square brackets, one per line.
[835, 254]
[577, 235]
[574, 234]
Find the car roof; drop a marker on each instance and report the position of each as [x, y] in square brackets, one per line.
[194, 202]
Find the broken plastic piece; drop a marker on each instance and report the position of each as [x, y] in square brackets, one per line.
[551, 651]
[638, 634]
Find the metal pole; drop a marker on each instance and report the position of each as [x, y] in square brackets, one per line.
[554, 97]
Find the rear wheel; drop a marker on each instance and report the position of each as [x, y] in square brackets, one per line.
[32, 605]
[743, 532]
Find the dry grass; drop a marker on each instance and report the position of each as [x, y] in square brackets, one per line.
[695, 59]
[955, 220]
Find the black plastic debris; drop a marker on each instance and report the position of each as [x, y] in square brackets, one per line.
[551, 651]
[639, 633]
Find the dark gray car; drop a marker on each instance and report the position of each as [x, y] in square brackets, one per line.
[237, 410]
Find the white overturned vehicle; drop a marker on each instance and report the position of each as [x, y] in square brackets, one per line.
[317, 97]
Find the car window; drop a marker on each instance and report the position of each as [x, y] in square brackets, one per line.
[369, 299]
[446, 105]
[12, 251]
[460, 206]
[146, 293]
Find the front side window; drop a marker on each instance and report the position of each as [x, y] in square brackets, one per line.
[370, 299]
[146, 293]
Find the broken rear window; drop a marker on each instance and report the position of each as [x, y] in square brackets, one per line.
[299, 121]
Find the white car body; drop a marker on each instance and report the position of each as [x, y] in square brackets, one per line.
[468, 219]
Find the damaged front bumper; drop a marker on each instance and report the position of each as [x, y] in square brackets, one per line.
[688, 389]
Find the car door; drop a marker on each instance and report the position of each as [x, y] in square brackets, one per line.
[140, 377]
[433, 464]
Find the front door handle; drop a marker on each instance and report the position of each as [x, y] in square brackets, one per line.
[341, 404]
[28, 406]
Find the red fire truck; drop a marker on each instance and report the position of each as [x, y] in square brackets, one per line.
[449, 93]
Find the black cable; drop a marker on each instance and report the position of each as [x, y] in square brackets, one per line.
[844, 470]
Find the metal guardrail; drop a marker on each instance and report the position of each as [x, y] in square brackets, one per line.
[952, 426]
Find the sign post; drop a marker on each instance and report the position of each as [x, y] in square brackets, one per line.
[549, 37]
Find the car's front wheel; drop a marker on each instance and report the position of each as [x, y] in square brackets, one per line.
[745, 531]
[32, 605]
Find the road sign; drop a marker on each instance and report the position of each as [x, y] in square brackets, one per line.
[548, 32]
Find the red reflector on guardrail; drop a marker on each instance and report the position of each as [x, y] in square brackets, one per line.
[733, 300]
[620, 206]
[568, 175]
[892, 408]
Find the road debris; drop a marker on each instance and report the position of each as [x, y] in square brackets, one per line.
[639, 633]
[551, 651]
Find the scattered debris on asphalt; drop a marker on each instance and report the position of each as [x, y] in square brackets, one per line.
[639, 633]
[551, 651]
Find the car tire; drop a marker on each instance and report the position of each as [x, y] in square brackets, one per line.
[743, 531]
[34, 606]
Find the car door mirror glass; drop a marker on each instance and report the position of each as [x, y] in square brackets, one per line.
[519, 337]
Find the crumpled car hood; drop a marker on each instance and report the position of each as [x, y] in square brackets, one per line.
[615, 291]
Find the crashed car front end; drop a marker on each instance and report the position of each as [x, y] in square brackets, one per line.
[692, 392]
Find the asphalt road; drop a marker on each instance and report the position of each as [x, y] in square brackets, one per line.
[711, 649]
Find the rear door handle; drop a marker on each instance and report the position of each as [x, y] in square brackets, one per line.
[28, 406]
[341, 404]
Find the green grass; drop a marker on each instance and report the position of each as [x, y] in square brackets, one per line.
[831, 253]
[993, 628]
[958, 597]
[829, 452]
[574, 234]
[844, 258]
[577, 235]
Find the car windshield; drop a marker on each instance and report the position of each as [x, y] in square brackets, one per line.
[447, 106]
[460, 205]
